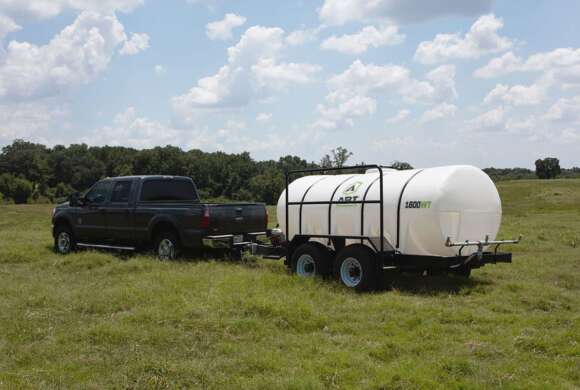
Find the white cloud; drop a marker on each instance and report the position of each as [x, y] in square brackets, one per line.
[517, 95]
[159, 70]
[334, 115]
[75, 56]
[569, 135]
[45, 9]
[355, 86]
[492, 120]
[518, 126]
[222, 29]
[263, 117]
[440, 111]
[565, 109]
[505, 64]
[7, 25]
[277, 75]
[31, 120]
[399, 117]
[129, 129]
[560, 66]
[300, 37]
[363, 79]
[342, 11]
[481, 39]
[361, 41]
[136, 44]
[443, 80]
[253, 71]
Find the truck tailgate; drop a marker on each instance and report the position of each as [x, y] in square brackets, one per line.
[237, 218]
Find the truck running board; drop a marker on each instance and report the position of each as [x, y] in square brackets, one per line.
[120, 248]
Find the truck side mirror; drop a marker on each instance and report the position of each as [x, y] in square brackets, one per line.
[75, 200]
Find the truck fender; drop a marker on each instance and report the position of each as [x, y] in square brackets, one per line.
[165, 221]
[63, 220]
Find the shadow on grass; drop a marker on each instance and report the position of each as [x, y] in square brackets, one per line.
[417, 284]
[187, 256]
[434, 284]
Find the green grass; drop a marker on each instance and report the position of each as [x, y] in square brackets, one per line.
[97, 320]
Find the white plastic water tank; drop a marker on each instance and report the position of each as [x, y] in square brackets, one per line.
[460, 202]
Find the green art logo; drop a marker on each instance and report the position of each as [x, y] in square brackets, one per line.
[350, 191]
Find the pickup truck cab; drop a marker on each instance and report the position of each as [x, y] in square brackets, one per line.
[163, 212]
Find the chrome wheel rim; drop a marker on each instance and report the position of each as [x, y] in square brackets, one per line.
[63, 242]
[305, 266]
[166, 249]
[351, 272]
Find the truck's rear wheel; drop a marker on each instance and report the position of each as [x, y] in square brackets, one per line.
[355, 267]
[167, 246]
[64, 240]
[309, 260]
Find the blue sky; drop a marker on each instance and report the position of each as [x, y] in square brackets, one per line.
[489, 83]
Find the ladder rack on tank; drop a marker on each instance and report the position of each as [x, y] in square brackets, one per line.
[329, 236]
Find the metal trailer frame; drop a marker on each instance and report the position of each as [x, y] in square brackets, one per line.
[388, 258]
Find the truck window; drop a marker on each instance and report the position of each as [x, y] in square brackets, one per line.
[168, 190]
[121, 191]
[99, 192]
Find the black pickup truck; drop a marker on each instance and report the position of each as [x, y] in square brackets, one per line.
[163, 212]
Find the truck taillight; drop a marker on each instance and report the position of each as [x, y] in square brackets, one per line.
[205, 218]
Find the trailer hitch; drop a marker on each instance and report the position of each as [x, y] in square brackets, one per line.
[480, 245]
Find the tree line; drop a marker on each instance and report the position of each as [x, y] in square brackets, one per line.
[546, 168]
[34, 173]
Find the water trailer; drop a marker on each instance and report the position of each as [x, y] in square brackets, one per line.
[357, 226]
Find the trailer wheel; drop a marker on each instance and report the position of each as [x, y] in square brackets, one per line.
[309, 260]
[356, 268]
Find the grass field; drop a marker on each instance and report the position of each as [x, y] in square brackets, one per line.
[97, 320]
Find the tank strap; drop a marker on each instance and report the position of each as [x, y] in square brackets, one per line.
[399, 206]
[362, 208]
[302, 202]
[330, 204]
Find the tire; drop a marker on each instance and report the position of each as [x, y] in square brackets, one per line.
[309, 260]
[356, 268]
[167, 246]
[64, 240]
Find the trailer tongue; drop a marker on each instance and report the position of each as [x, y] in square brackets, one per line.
[357, 226]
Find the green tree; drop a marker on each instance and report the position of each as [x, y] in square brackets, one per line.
[26, 160]
[401, 165]
[267, 187]
[337, 159]
[548, 168]
[16, 188]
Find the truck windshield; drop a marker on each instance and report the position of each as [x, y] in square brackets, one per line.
[164, 190]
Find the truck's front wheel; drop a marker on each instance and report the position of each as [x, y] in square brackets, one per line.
[167, 246]
[64, 240]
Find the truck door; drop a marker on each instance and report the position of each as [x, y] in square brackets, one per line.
[91, 223]
[121, 213]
